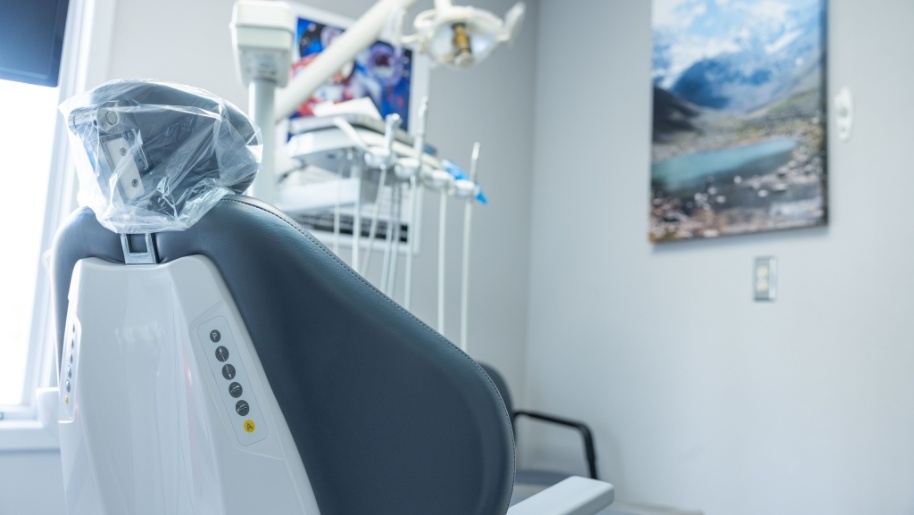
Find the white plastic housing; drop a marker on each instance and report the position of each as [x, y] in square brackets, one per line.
[465, 189]
[572, 496]
[148, 422]
[437, 179]
[262, 37]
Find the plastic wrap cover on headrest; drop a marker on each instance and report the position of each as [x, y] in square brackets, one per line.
[154, 156]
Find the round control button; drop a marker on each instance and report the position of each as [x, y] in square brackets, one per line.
[221, 353]
[68, 385]
[71, 358]
[235, 390]
[69, 370]
[228, 371]
[249, 426]
[242, 408]
[215, 336]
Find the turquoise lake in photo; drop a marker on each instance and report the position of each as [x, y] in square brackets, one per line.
[692, 170]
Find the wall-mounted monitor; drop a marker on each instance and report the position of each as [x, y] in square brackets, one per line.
[31, 40]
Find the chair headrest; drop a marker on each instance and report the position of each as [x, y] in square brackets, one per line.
[155, 156]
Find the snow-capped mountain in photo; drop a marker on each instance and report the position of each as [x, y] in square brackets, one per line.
[735, 54]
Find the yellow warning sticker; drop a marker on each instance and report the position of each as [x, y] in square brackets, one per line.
[249, 426]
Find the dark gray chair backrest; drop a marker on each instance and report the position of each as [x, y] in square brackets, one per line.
[388, 416]
[502, 386]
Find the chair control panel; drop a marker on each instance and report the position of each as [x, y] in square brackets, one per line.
[233, 382]
[68, 370]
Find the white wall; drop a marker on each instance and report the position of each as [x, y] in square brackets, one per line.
[700, 397]
[31, 482]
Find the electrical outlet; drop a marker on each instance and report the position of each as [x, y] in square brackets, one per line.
[765, 279]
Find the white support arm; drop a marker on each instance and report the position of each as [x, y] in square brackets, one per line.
[573, 496]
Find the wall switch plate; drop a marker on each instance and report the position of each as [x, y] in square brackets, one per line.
[844, 113]
[765, 279]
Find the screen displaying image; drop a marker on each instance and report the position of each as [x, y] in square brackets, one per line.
[324, 193]
[381, 72]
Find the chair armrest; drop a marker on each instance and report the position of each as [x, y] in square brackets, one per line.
[575, 424]
[573, 496]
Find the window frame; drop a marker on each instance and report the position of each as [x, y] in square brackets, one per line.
[84, 61]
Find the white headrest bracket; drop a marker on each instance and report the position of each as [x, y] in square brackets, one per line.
[145, 255]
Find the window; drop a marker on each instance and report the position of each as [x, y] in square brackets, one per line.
[28, 118]
[39, 183]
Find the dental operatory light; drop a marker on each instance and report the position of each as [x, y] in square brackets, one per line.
[461, 36]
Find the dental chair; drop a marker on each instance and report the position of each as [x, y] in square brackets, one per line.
[215, 358]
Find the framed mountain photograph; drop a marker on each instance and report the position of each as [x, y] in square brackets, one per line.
[739, 117]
